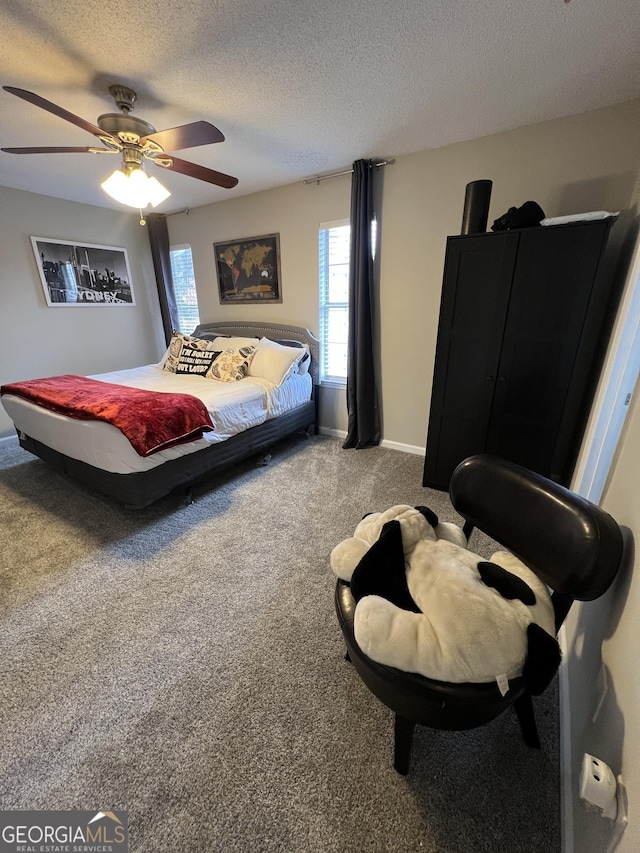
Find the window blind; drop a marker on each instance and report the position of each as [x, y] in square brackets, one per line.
[184, 285]
[334, 301]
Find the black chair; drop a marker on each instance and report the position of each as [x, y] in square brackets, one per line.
[571, 544]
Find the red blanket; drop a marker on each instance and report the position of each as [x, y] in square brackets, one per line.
[151, 420]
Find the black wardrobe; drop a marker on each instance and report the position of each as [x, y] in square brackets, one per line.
[523, 319]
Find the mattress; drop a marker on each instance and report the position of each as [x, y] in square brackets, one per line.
[233, 406]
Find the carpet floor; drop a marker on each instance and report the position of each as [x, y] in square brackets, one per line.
[184, 664]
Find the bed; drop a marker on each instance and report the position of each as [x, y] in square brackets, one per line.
[248, 416]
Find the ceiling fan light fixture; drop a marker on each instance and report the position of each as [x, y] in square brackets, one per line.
[157, 192]
[135, 188]
[134, 138]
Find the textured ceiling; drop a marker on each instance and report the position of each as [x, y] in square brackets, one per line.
[300, 87]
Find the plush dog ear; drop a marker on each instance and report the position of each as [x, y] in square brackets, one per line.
[508, 585]
[381, 571]
[543, 660]
[430, 515]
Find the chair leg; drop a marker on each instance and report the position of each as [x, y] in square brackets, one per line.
[524, 710]
[402, 746]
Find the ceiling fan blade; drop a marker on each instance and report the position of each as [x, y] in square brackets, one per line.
[186, 136]
[58, 151]
[60, 112]
[199, 172]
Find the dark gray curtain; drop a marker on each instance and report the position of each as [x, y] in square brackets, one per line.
[362, 398]
[159, 240]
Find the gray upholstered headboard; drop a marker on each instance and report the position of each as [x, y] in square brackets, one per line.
[274, 331]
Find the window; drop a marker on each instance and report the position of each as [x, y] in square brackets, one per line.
[334, 301]
[335, 247]
[184, 285]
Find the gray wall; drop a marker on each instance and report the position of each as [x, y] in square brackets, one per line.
[585, 162]
[38, 340]
[581, 163]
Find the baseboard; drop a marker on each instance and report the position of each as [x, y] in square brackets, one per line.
[405, 448]
[392, 445]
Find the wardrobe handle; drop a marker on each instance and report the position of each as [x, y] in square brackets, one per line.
[489, 378]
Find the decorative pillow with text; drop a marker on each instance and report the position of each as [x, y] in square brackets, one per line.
[195, 361]
[177, 343]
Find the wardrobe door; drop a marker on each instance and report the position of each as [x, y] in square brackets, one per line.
[552, 285]
[475, 297]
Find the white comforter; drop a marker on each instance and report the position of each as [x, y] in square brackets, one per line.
[233, 406]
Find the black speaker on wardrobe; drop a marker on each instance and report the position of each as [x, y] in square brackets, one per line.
[476, 207]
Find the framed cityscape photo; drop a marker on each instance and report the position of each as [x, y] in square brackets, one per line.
[82, 273]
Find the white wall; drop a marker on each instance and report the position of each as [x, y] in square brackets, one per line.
[585, 162]
[602, 637]
[38, 340]
[605, 634]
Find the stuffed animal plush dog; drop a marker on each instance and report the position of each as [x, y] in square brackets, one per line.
[426, 604]
[416, 522]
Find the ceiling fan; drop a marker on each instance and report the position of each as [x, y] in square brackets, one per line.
[136, 140]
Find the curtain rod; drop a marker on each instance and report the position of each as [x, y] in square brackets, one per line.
[319, 178]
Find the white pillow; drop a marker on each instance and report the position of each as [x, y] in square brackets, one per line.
[274, 361]
[223, 343]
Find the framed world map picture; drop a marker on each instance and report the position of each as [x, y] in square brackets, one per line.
[249, 269]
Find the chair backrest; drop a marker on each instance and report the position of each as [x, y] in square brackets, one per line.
[574, 546]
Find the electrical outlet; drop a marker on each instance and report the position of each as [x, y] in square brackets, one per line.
[598, 787]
